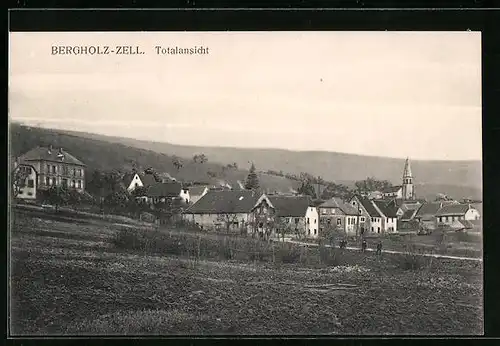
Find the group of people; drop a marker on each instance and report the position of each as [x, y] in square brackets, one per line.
[364, 245]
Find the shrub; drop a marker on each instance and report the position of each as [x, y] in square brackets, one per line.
[287, 253]
[411, 260]
[329, 256]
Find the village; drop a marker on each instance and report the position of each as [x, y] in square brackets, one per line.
[52, 177]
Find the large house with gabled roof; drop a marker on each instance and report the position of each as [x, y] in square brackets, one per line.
[222, 209]
[370, 219]
[389, 216]
[273, 213]
[55, 167]
[448, 214]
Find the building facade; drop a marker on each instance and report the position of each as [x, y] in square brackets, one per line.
[336, 215]
[55, 168]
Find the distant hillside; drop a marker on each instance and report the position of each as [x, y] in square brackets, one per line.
[103, 155]
[456, 178]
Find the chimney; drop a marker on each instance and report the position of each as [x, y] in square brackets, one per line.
[50, 149]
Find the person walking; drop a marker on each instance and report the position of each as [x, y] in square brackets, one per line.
[363, 245]
[379, 247]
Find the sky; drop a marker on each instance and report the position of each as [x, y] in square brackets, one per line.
[394, 94]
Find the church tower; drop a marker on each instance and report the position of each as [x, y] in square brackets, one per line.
[408, 188]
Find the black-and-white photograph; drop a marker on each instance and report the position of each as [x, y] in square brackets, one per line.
[245, 183]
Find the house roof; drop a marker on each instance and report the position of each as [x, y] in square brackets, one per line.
[45, 153]
[223, 202]
[387, 210]
[408, 215]
[172, 189]
[453, 209]
[392, 189]
[428, 209]
[147, 179]
[336, 202]
[290, 206]
[197, 190]
[369, 207]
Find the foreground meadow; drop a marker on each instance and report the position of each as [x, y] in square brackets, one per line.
[74, 279]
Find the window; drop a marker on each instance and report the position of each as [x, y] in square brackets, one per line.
[31, 183]
[65, 182]
[30, 193]
[48, 168]
[79, 184]
[362, 219]
[315, 231]
[308, 220]
[339, 222]
[314, 221]
[73, 183]
[371, 219]
[372, 229]
[333, 210]
[79, 172]
[54, 169]
[323, 211]
[47, 181]
[297, 220]
[51, 181]
[309, 232]
[378, 230]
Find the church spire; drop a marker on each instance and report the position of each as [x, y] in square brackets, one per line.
[408, 190]
[407, 170]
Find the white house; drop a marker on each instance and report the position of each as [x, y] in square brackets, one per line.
[367, 209]
[389, 216]
[24, 179]
[312, 221]
[448, 214]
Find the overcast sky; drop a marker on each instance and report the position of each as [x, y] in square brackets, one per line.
[376, 93]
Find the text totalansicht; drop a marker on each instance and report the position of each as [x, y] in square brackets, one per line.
[196, 50]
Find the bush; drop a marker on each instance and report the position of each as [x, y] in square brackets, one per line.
[287, 253]
[329, 256]
[411, 260]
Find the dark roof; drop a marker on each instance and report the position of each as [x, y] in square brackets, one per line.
[147, 179]
[388, 211]
[392, 189]
[172, 189]
[408, 215]
[291, 206]
[196, 190]
[223, 202]
[453, 209]
[368, 205]
[336, 202]
[428, 209]
[44, 153]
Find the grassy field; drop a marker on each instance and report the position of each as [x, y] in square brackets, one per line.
[72, 278]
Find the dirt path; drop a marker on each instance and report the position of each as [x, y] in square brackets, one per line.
[396, 252]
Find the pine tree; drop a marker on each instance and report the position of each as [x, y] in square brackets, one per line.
[252, 182]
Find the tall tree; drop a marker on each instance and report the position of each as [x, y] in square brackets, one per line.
[252, 182]
[19, 181]
[307, 188]
[177, 162]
